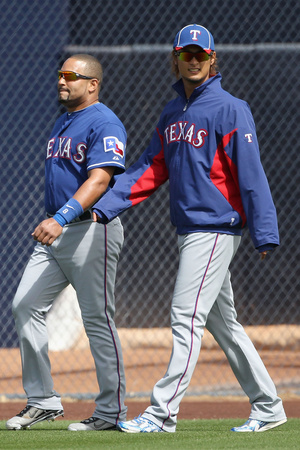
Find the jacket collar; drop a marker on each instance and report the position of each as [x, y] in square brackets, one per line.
[179, 87]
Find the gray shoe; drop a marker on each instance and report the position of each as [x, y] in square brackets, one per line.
[31, 415]
[92, 424]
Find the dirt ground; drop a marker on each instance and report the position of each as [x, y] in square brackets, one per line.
[189, 409]
[146, 354]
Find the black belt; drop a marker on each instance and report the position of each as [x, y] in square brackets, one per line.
[87, 215]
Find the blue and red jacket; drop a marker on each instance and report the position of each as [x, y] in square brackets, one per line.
[207, 148]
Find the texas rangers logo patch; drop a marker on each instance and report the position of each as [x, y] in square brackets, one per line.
[111, 143]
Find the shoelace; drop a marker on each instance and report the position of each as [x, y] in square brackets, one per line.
[24, 411]
[90, 420]
[261, 423]
[139, 419]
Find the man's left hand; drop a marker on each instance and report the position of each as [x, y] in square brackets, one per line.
[96, 218]
[263, 255]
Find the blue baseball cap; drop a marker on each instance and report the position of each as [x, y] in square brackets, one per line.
[194, 35]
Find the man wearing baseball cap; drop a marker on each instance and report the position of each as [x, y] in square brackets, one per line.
[194, 35]
[205, 144]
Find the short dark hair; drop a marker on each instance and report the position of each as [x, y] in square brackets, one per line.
[93, 66]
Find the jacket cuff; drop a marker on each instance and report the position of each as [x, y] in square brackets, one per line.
[266, 248]
[103, 218]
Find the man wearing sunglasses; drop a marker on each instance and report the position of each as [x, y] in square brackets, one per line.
[84, 154]
[205, 144]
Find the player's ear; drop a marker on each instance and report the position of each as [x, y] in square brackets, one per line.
[213, 58]
[94, 83]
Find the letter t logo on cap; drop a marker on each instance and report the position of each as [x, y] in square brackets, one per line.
[194, 34]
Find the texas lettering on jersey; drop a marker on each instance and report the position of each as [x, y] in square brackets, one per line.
[64, 149]
[182, 131]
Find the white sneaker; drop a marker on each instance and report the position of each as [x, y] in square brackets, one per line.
[139, 425]
[257, 426]
[31, 415]
[91, 424]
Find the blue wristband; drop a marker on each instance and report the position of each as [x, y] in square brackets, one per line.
[68, 212]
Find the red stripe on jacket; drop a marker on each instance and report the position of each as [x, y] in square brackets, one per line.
[152, 178]
[224, 176]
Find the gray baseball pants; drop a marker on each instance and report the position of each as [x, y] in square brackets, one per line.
[202, 298]
[85, 255]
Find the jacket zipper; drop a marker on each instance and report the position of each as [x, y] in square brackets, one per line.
[186, 105]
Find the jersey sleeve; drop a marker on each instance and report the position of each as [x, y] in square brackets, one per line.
[242, 150]
[137, 183]
[107, 147]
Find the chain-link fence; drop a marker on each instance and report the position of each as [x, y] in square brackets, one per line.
[258, 47]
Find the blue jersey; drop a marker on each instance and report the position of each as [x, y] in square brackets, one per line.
[207, 148]
[91, 138]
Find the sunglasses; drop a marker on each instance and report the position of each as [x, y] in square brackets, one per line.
[68, 75]
[188, 56]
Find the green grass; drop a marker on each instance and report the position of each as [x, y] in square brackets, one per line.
[190, 434]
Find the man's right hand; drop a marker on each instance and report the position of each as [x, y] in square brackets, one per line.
[47, 231]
